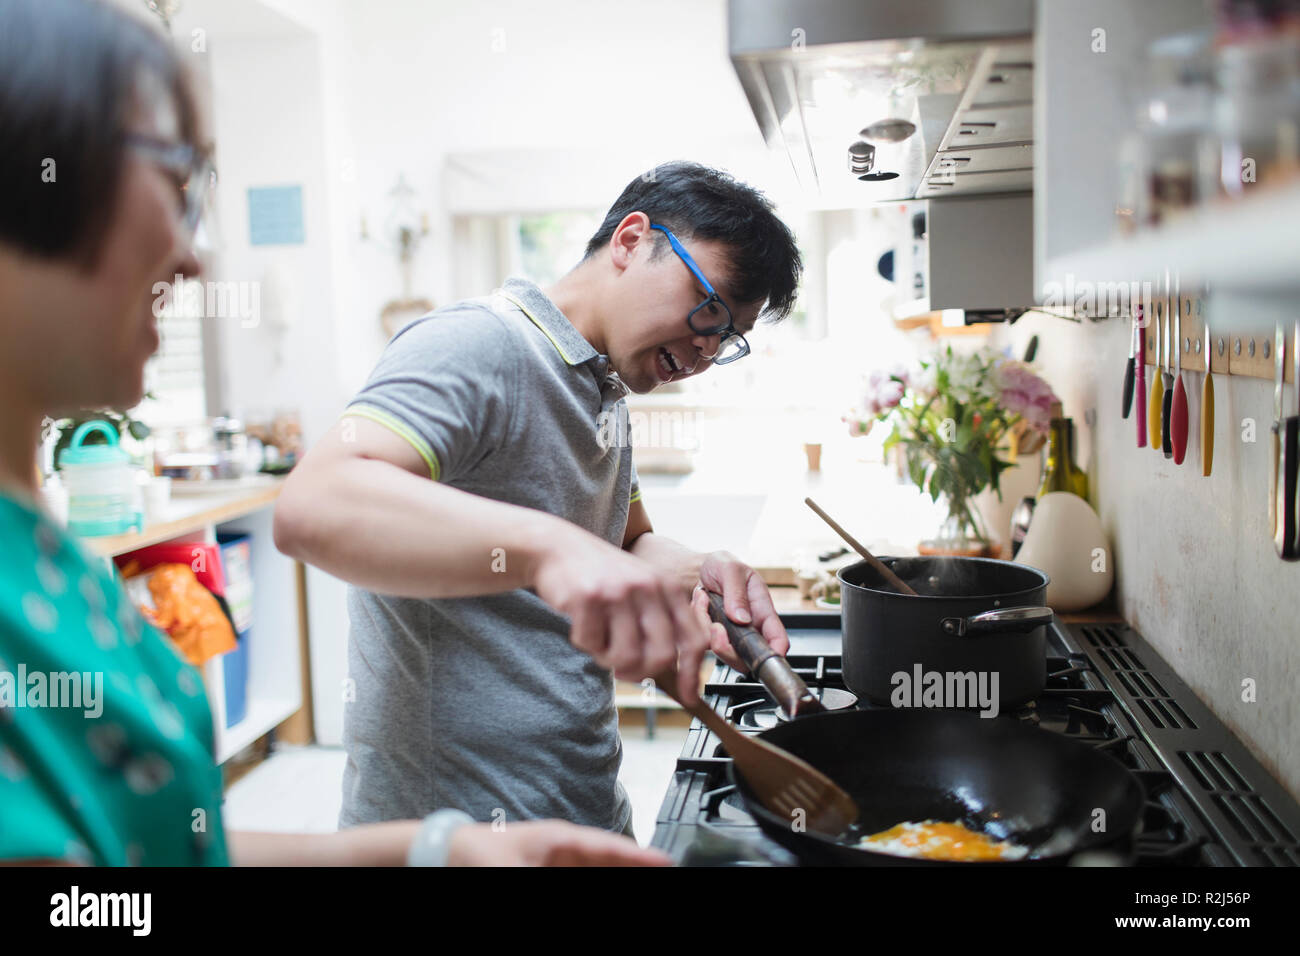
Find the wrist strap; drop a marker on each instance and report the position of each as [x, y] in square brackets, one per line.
[431, 843]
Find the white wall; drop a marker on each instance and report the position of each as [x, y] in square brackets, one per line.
[1195, 569]
[275, 139]
[269, 90]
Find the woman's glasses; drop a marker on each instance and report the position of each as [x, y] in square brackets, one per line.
[194, 173]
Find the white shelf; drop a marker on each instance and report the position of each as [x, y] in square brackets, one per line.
[262, 717]
[274, 667]
[191, 516]
[1251, 245]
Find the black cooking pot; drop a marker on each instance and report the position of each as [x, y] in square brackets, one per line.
[973, 622]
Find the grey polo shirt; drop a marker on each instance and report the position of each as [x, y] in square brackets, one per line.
[481, 703]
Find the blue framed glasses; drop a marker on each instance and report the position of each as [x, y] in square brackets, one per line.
[710, 317]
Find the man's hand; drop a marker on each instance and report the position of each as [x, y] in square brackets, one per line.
[625, 613]
[546, 843]
[747, 601]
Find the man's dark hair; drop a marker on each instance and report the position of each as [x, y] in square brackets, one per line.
[696, 202]
[70, 73]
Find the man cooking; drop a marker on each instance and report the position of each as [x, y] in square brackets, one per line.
[479, 495]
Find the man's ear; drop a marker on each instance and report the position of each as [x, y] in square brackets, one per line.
[632, 237]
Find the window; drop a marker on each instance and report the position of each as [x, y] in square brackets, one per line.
[550, 245]
[174, 377]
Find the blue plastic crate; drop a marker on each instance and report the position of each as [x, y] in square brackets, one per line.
[236, 551]
[234, 665]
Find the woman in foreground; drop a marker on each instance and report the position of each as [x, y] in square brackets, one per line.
[102, 177]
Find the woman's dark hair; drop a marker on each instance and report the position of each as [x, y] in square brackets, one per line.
[697, 202]
[70, 73]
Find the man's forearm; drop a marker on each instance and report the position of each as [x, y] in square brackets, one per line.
[669, 557]
[389, 531]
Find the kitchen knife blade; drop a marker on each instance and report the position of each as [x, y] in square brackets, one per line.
[1288, 547]
[1167, 381]
[1155, 404]
[1294, 504]
[1127, 405]
[1178, 412]
[1140, 386]
[1275, 463]
[1207, 407]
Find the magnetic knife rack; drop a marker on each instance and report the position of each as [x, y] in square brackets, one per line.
[1248, 354]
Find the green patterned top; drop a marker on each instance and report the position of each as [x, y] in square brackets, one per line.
[106, 740]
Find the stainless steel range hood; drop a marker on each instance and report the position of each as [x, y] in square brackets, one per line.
[819, 73]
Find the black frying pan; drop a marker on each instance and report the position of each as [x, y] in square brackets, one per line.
[1010, 780]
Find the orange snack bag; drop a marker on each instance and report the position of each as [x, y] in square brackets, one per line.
[188, 612]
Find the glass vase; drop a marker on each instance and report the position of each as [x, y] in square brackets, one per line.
[960, 534]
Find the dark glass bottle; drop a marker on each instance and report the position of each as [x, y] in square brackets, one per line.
[1061, 473]
[1078, 477]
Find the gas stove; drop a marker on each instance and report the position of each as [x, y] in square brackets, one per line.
[1209, 802]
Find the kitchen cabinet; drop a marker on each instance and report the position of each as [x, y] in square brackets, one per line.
[1089, 76]
[276, 650]
[1248, 246]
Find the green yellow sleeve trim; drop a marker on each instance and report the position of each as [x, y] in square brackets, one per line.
[400, 429]
[636, 496]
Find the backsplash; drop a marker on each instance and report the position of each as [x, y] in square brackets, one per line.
[1196, 573]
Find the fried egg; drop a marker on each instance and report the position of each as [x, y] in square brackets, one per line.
[936, 840]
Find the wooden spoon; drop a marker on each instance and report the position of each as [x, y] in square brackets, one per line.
[898, 583]
[788, 786]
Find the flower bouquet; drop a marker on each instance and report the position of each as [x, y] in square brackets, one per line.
[953, 418]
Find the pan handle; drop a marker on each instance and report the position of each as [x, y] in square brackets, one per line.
[999, 621]
[767, 666]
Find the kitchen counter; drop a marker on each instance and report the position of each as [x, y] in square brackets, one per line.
[760, 516]
[190, 513]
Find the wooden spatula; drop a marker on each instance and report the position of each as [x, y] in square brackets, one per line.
[789, 787]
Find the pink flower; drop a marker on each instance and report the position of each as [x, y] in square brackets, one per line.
[889, 394]
[1024, 393]
[1039, 415]
[884, 391]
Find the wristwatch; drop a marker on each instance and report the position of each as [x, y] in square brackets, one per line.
[432, 842]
